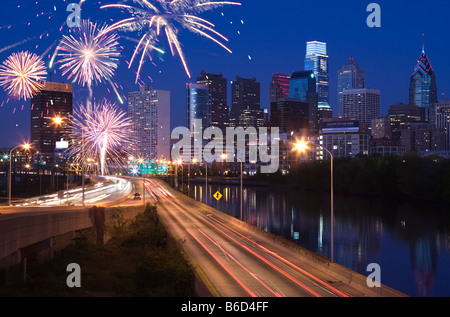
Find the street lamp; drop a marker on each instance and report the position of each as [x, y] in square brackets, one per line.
[57, 120]
[25, 146]
[143, 180]
[193, 161]
[302, 146]
[224, 157]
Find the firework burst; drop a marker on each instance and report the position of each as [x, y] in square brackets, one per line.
[21, 74]
[90, 55]
[166, 18]
[101, 133]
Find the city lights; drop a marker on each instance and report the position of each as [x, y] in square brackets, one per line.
[325, 145]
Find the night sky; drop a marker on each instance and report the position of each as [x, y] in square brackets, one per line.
[266, 37]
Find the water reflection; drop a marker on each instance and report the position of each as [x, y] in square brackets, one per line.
[409, 241]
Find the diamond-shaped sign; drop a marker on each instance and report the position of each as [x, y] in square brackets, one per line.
[217, 196]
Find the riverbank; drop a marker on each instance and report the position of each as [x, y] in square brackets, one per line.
[397, 178]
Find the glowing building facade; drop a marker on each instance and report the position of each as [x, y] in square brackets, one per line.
[54, 100]
[220, 112]
[302, 86]
[422, 89]
[350, 76]
[149, 111]
[279, 87]
[316, 60]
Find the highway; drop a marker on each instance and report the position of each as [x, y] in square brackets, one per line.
[102, 191]
[231, 258]
[235, 262]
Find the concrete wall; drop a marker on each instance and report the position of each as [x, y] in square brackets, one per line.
[40, 230]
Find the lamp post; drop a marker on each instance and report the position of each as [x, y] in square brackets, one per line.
[302, 146]
[143, 180]
[25, 146]
[82, 163]
[206, 182]
[194, 160]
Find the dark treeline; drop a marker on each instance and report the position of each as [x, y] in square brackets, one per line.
[396, 177]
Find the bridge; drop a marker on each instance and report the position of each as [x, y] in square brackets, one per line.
[230, 257]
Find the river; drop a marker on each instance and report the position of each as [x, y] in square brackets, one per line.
[410, 241]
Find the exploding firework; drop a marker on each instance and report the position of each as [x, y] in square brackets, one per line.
[100, 137]
[21, 74]
[166, 17]
[90, 55]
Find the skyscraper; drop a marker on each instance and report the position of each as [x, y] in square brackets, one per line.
[443, 119]
[54, 100]
[302, 86]
[400, 115]
[246, 103]
[246, 92]
[220, 111]
[279, 87]
[422, 89]
[198, 105]
[289, 115]
[317, 60]
[350, 76]
[362, 105]
[149, 111]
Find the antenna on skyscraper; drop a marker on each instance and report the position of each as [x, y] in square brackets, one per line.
[423, 44]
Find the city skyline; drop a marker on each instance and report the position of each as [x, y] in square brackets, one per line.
[260, 52]
[295, 149]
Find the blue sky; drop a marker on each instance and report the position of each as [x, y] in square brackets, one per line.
[266, 37]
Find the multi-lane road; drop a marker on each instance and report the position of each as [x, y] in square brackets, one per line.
[234, 261]
[231, 258]
[102, 190]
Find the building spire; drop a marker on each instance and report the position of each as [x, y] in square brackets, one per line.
[423, 44]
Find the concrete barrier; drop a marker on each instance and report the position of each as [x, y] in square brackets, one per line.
[344, 275]
[19, 232]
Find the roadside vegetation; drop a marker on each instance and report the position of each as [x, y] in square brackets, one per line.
[137, 261]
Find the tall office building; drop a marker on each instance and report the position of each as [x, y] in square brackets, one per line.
[317, 60]
[279, 87]
[422, 136]
[350, 76]
[422, 89]
[362, 105]
[400, 115]
[246, 92]
[246, 103]
[443, 119]
[220, 111]
[198, 105]
[302, 86]
[54, 100]
[149, 111]
[289, 115]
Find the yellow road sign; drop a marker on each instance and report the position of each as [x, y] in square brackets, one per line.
[217, 196]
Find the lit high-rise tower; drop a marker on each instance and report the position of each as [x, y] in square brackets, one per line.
[149, 111]
[317, 60]
[422, 89]
[54, 100]
[220, 111]
[302, 87]
[279, 87]
[350, 76]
